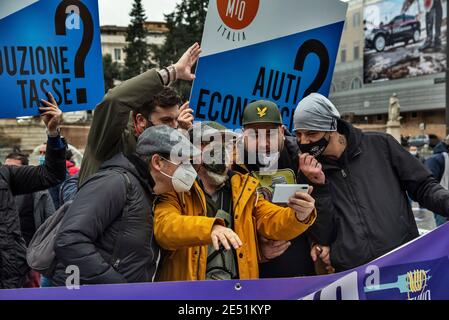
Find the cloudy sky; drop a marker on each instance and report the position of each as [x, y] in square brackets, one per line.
[116, 12]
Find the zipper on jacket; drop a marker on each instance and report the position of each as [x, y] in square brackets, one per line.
[354, 200]
[204, 208]
[116, 264]
[243, 189]
[203, 205]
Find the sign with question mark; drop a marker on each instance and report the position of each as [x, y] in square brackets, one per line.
[262, 49]
[49, 45]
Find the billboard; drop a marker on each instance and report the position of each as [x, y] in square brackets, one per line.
[404, 38]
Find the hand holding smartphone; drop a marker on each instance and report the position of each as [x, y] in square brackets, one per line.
[283, 192]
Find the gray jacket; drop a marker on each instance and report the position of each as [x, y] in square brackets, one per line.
[43, 207]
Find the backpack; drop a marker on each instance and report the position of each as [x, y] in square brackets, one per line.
[40, 253]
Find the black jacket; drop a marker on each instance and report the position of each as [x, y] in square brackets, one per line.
[34, 209]
[436, 164]
[15, 181]
[365, 193]
[296, 260]
[106, 245]
[440, 148]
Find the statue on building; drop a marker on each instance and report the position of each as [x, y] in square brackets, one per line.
[394, 109]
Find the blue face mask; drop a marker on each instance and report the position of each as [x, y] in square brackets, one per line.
[41, 160]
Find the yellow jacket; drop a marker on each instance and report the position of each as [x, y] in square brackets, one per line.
[182, 227]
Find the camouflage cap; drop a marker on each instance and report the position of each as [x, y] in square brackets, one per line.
[203, 131]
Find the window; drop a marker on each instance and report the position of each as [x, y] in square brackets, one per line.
[117, 54]
[343, 55]
[414, 115]
[356, 51]
[356, 20]
[343, 86]
[379, 117]
[356, 84]
[398, 20]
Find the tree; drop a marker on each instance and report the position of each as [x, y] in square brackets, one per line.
[137, 55]
[185, 26]
[112, 71]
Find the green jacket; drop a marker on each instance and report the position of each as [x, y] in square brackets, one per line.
[112, 129]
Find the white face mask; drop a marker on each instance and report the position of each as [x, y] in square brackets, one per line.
[414, 153]
[183, 177]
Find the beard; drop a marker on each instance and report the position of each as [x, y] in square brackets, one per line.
[268, 160]
[217, 179]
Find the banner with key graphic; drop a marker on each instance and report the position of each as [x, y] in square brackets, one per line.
[419, 270]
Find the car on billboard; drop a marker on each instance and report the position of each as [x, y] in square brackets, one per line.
[420, 140]
[402, 28]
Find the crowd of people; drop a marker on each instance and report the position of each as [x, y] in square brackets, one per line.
[161, 197]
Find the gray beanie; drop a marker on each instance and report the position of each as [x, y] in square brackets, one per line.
[316, 113]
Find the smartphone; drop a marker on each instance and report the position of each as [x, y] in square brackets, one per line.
[42, 105]
[283, 192]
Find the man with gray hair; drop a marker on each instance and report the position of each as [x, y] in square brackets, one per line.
[107, 231]
[362, 179]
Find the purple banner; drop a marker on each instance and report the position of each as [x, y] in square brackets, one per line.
[418, 270]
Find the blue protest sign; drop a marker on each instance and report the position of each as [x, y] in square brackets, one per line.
[272, 50]
[49, 45]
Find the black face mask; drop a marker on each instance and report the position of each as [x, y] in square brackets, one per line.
[215, 168]
[316, 148]
[218, 168]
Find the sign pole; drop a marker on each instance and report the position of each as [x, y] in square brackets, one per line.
[447, 70]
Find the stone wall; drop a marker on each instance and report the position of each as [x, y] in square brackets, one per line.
[31, 134]
[27, 136]
[76, 135]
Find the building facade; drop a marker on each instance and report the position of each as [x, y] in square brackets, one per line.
[113, 39]
[422, 98]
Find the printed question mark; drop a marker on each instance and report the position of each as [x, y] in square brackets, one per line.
[86, 42]
[317, 47]
[308, 47]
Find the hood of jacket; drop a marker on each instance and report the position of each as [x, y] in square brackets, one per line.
[353, 147]
[440, 148]
[132, 164]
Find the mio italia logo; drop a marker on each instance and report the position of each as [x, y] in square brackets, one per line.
[236, 15]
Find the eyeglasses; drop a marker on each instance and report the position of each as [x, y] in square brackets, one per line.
[173, 163]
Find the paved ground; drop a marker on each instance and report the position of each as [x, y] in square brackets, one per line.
[424, 219]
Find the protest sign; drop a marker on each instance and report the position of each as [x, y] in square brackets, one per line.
[273, 50]
[49, 45]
